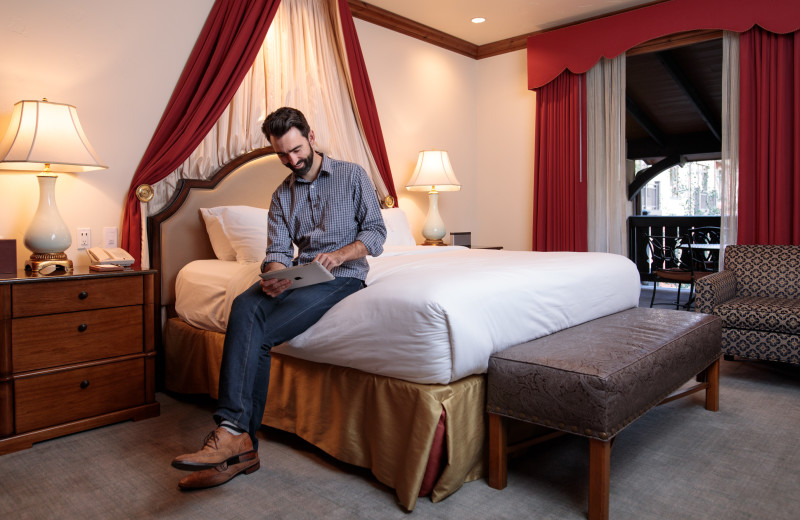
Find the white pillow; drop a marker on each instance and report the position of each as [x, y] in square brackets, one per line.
[219, 241]
[398, 230]
[245, 229]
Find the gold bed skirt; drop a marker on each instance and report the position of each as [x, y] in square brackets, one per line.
[371, 421]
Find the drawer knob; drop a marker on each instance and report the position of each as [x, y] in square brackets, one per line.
[85, 383]
[82, 327]
[83, 295]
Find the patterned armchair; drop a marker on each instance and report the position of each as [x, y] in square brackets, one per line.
[757, 297]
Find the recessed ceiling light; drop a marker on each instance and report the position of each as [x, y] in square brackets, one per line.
[478, 20]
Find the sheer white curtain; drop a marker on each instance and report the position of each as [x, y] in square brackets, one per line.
[730, 140]
[300, 64]
[607, 183]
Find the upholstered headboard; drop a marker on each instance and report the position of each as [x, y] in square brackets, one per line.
[178, 234]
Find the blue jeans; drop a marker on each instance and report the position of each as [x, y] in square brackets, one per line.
[257, 323]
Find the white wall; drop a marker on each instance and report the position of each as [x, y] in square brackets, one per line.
[506, 116]
[117, 62]
[426, 100]
[479, 111]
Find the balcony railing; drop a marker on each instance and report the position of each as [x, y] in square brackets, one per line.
[641, 226]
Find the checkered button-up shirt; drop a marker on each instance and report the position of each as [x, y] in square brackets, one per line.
[334, 210]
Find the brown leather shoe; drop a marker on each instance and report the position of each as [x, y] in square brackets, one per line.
[220, 474]
[220, 446]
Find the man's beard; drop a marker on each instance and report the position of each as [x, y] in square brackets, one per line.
[308, 161]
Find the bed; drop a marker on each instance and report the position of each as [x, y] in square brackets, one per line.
[392, 378]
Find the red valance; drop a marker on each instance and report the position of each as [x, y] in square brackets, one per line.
[578, 47]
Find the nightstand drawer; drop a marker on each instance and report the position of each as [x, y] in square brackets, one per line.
[61, 397]
[51, 341]
[36, 299]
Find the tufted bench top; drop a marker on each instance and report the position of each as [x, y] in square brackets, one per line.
[596, 378]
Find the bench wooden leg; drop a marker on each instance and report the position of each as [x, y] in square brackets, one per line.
[498, 451]
[599, 478]
[712, 392]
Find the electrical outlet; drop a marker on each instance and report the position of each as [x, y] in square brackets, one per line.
[109, 237]
[84, 238]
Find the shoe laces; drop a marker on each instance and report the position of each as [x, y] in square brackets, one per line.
[211, 439]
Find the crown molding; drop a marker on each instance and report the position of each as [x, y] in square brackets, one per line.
[395, 22]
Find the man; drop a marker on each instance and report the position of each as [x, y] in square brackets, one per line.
[326, 207]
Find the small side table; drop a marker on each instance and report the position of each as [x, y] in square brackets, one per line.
[76, 352]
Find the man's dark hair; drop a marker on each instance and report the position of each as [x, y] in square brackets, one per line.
[282, 120]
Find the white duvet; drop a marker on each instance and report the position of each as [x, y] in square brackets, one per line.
[434, 315]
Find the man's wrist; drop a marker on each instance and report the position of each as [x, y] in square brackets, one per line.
[267, 266]
[352, 251]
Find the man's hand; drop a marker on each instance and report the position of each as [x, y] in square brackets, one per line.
[336, 258]
[274, 286]
[330, 260]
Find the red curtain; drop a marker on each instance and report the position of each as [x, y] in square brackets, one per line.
[222, 55]
[579, 46]
[559, 200]
[769, 138]
[365, 102]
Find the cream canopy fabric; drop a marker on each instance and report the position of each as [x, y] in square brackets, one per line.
[314, 79]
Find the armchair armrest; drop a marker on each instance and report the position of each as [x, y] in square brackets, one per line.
[714, 289]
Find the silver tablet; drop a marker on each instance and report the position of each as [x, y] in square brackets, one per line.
[301, 275]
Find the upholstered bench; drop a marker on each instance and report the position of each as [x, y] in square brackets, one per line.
[596, 378]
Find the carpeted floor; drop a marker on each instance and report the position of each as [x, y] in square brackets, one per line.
[679, 461]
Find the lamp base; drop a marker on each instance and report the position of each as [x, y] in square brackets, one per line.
[39, 261]
[434, 242]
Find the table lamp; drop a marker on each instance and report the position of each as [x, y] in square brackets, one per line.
[433, 174]
[47, 138]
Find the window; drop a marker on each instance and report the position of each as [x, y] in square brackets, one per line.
[651, 197]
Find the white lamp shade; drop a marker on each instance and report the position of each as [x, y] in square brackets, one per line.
[47, 138]
[42, 133]
[433, 172]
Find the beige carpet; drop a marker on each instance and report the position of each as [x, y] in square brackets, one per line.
[679, 461]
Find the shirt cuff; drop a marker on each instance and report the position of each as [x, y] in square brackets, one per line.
[276, 257]
[373, 241]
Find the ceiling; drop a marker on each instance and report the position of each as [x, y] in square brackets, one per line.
[504, 18]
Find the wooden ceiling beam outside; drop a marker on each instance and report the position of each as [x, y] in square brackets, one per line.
[688, 88]
[700, 143]
[645, 122]
[644, 176]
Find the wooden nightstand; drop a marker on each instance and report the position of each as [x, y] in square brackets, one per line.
[76, 352]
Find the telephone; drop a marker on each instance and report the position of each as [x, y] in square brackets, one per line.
[111, 255]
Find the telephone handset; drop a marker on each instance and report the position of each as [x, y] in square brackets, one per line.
[109, 255]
